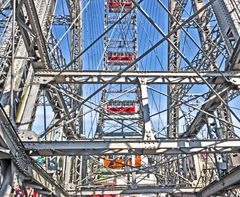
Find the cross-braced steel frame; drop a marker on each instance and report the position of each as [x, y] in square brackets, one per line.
[118, 117]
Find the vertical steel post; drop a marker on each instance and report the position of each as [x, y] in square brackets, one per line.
[12, 104]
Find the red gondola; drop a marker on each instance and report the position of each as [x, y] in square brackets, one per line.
[120, 57]
[122, 109]
[124, 106]
[119, 3]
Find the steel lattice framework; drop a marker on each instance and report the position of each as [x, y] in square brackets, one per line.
[119, 97]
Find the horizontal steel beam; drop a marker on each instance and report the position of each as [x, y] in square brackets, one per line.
[92, 190]
[144, 147]
[229, 180]
[152, 77]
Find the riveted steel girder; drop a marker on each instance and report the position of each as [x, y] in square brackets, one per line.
[151, 77]
[145, 147]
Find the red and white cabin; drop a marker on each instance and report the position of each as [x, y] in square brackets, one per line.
[131, 109]
[123, 107]
[119, 5]
[119, 58]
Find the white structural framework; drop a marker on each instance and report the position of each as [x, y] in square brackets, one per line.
[119, 97]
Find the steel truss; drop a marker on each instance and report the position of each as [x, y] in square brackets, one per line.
[143, 147]
[122, 151]
[130, 77]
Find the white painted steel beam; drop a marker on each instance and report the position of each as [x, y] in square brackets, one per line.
[148, 133]
[145, 147]
[151, 77]
[91, 190]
